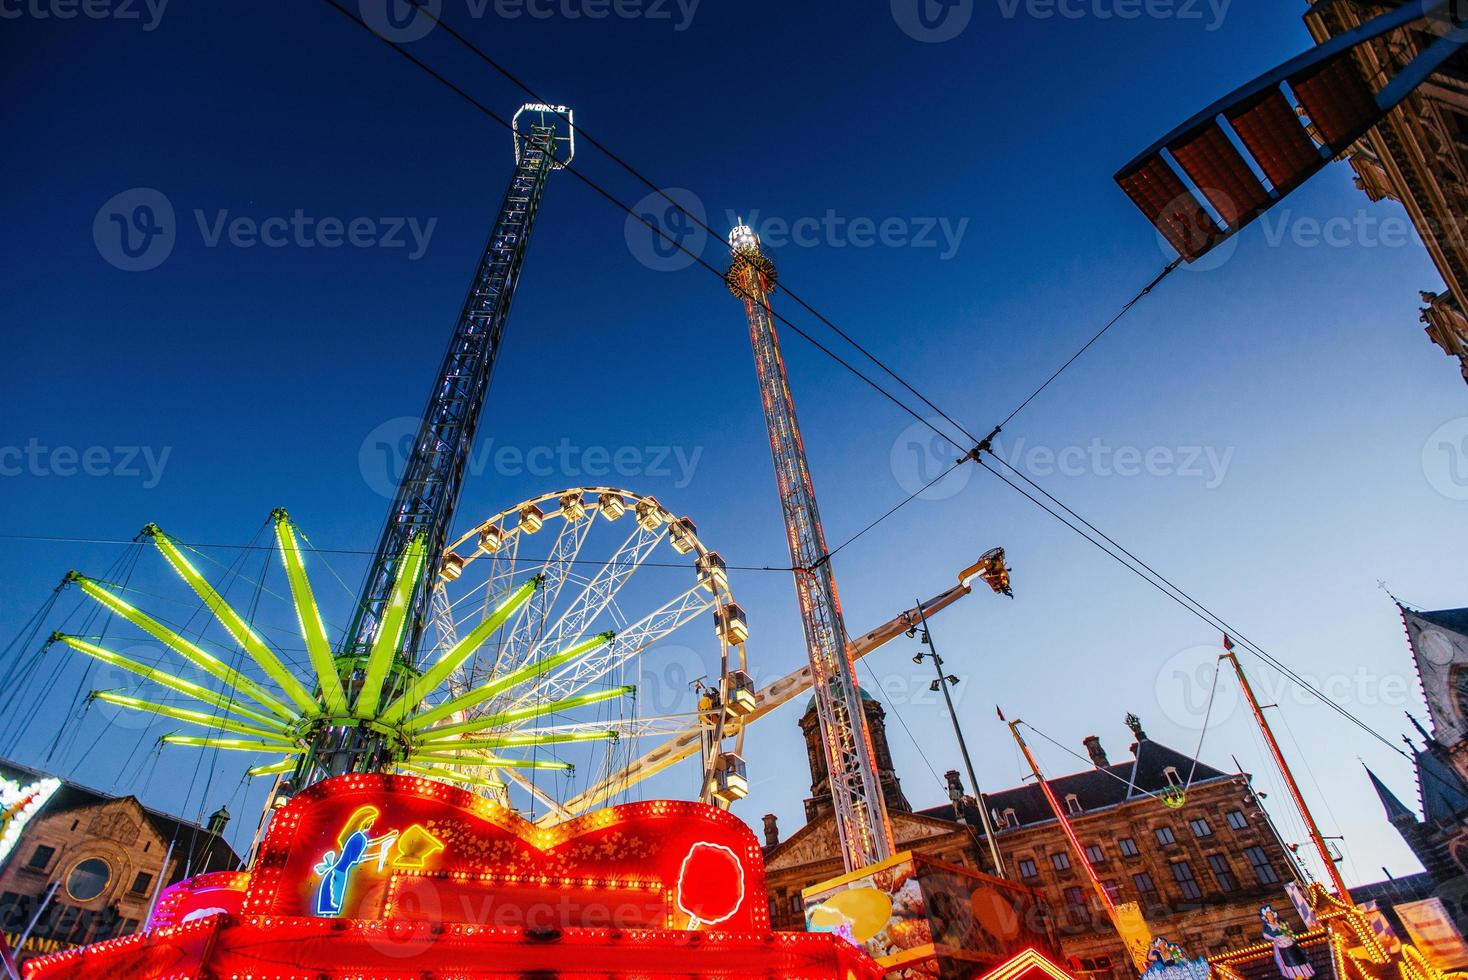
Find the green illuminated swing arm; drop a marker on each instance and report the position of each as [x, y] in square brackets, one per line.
[233, 744]
[456, 655]
[211, 665]
[524, 741]
[434, 737]
[506, 681]
[493, 762]
[434, 772]
[389, 637]
[233, 622]
[308, 615]
[283, 766]
[201, 718]
[170, 681]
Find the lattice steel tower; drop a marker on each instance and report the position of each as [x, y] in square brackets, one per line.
[861, 814]
[433, 473]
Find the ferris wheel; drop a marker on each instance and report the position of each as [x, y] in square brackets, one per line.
[546, 618]
[586, 547]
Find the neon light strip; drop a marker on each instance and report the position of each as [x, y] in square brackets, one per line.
[308, 615]
[390, 631]
[185, 714]
[506, 681]
[235, 625]
[436, 735]
[459, 652]
[167, 680]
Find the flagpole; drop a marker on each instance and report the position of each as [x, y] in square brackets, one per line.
[1138, 956]
[1289, 777]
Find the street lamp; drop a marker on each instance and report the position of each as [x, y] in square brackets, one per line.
[991, 568]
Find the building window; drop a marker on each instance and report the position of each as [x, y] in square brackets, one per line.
[1060, 860]
[12, 912]
[1146, 888]
[1075, 906]
[1027, 869]
[1200, 827]
[142, 882]
[41, 856]
[1127, 846]
[1173, 779]
[1094, 854]
[63, 923]
[774, 908]
[1263, 870]
[1222, 873]
[1183, 873]
[1113, 891]
[1237, 820]
[797, 904]
[1073, 803]
[88, 879]
[1011, 819]
[1165, 836]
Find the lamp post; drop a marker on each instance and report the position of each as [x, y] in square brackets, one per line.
[992, 570]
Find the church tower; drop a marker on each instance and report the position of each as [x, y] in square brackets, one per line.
[819, 802]
[1439, 646]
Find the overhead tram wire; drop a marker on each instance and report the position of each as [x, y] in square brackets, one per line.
[700, 260]
[1212, 618]
[63, 539]
[700, 222]
[613, 199]
[1152, 578]
[1101, 769]
[784, 285]
[979, 449]
[978, 446]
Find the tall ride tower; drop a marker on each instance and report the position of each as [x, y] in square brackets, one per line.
[856, 792]
[433, 474]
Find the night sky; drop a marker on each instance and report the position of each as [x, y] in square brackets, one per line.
[1264, 430]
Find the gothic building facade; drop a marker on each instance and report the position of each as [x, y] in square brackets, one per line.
[1417, 156]
[1200, 870]
[1439, 837]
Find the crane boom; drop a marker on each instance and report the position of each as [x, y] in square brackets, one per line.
[856, 792]
[685, 744]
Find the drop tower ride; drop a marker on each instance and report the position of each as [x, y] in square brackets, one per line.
[861, 813]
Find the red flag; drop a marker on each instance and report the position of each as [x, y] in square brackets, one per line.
[1227, 643]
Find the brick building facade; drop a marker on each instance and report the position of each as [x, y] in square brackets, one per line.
[1200, 871]
[100, 859]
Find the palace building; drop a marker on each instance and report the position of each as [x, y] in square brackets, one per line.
[86, 865]
[1418, 156]
[1200, 869]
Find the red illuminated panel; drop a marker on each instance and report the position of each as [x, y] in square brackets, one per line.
[205, 894]
[528, 903]
[279, 948]
[1171, 207]
[1338, 100]
[1276, 138]
[1219, 171]
[336, 848]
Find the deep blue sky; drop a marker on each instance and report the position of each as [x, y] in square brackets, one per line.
[262, 371]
